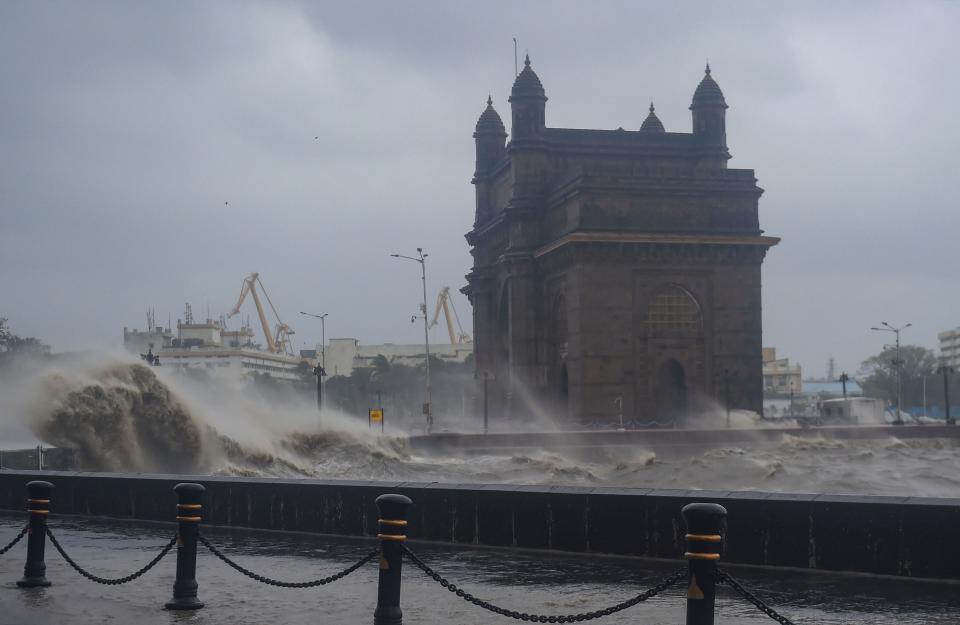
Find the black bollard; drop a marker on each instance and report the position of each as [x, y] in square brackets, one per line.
[38, 506]
[393, 519]
[704, 544]
[188, 519]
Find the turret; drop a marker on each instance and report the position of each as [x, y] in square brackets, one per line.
[528, 101]
[709, 112]
[490, 137]
[652, 123]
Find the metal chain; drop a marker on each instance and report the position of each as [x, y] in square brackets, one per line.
[23, 532]
[274, 582]
[669, 581]
[724, 578]
[112, 581]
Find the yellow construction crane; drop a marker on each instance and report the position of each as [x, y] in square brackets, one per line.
[279, 342]
[445, 303]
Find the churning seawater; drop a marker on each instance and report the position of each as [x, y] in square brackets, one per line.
[126, 417]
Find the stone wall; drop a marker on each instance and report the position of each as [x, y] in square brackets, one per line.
[905, 536]
[54, 459]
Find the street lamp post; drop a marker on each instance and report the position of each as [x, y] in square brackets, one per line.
[898, 363]
[422, 259]
[945, 370]
[321, 370]
[791, 399]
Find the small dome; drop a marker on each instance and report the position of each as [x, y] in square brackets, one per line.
[527, 83]
[652, 123]
[708, 92]
[490, 122]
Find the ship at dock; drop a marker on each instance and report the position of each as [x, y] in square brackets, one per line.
[213, 346]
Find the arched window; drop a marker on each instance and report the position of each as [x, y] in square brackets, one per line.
[673, 310]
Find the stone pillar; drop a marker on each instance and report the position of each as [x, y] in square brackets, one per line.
[483, 299]
[524, 315]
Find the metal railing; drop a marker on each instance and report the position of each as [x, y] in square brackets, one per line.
[704, 545]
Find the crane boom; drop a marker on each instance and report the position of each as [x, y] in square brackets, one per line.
[444, 303]
[248, 287]
[462, 337]
[446, 314]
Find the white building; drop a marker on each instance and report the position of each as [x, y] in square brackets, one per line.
[243, 360]
[780, 377]
[344, 355]
[140, 341]
[209, 346]
[950, 348]
[857, 410]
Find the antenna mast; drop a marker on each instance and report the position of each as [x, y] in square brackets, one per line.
[515, 72]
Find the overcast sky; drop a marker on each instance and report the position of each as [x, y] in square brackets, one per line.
[153, 154]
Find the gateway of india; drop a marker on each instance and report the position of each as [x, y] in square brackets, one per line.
[615, 272]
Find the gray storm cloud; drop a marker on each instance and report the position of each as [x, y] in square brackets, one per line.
[154, 154]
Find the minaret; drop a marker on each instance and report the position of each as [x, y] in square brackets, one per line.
[709, 112]
[528, 101]
[490, 137]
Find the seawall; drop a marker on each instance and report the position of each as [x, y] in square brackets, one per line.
[905, 536]
[51, 458]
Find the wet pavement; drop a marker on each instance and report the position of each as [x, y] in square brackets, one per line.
[525, 581]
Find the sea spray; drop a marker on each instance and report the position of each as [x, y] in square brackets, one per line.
[122, 418]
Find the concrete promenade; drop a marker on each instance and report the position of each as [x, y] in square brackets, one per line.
[541, 582]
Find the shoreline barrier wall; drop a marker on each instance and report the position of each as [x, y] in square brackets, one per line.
[903, 536]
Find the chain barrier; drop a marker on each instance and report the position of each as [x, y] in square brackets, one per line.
[669, 581]
[724, 578]
[112, 581]
[23, 532]
[281, 584]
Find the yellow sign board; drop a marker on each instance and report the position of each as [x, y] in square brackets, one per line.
[376, 414]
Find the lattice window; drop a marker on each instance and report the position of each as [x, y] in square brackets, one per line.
[673, 310]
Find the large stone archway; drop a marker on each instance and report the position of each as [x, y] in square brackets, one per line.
[610, 220]
[674, 350]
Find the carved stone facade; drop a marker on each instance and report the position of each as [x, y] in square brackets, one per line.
[614, 270]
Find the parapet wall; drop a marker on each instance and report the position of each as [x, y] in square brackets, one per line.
[906, 536]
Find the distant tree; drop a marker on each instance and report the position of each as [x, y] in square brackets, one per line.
[12, 345]
[381, 365]
[878, 374]
[400, 388]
